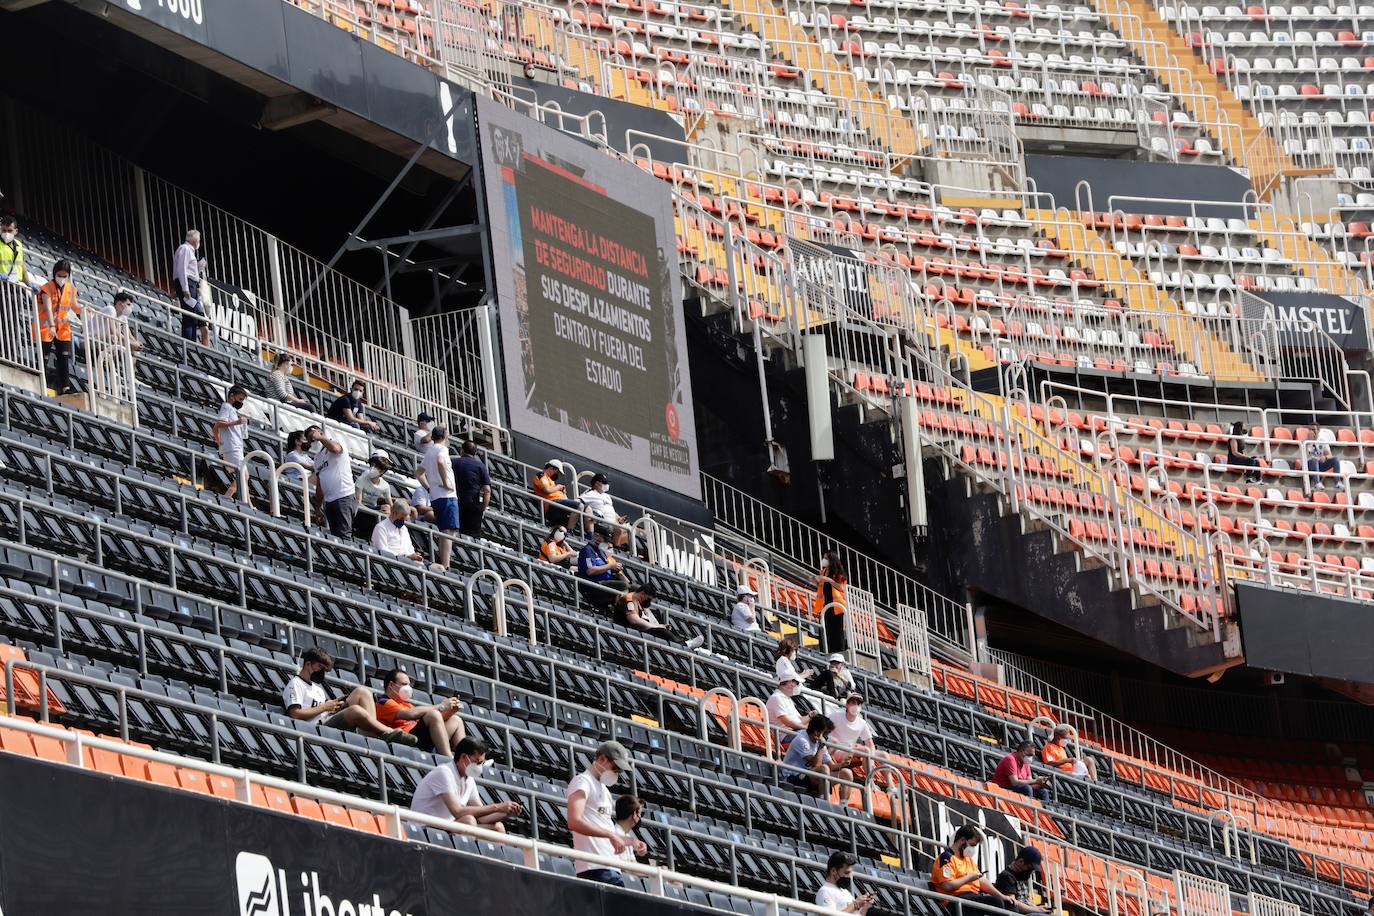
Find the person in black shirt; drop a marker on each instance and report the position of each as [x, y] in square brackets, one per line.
[348, 408]
[1236, 459]
[632, 610]
[835, 681]
[473, 482]
[1015, 880]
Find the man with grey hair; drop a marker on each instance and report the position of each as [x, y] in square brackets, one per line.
[188, 268]
[389, 535]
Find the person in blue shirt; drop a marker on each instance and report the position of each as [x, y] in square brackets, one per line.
[473, 481]
[808, 759]
[595, 564]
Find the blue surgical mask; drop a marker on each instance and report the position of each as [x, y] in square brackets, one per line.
[399, 522]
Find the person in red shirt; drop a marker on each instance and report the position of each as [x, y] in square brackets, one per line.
[1013, 773]
[443, 728]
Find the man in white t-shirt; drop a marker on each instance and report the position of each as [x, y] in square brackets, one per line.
[333, 481]
[118, 309]
[436, 476]
[836, 894]
[591, 813]
[305, 699]
[228, 433]
[450, 790]
[852, 732]
[783, 716]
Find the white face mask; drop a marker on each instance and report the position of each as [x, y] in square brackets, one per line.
[609, 778]
[405, 692]
[6, 237]
[375, 473]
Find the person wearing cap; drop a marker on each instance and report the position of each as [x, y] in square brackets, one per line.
[555, 548]
[836, 681]
[632, 610]
[1013, 773]
[598, 506]
[782, 711]
[955, 872]
[744, 615]
[424, 425]
[601, 573]
[852, 733]
[372, 488]
[1015, 880]
[552, 493]
[473, 482]
[591, 814]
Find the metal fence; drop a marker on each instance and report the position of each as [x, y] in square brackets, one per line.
[21, 356]
[110, 367]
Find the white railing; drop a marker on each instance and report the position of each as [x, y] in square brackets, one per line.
[1196, 896]
[20, 350]
[913, 644]
[110, 366]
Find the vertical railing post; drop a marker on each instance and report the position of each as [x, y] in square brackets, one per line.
[145, 234]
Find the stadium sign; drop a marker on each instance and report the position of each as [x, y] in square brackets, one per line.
[264, 891]
[1320, 314]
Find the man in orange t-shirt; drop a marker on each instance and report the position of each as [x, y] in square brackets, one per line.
[955, 873]
[1056, 754]
[553, 495]
[443, 728]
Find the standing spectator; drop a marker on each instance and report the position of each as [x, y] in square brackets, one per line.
[829, 602]
[836, 681]
[853, 736]
[473, 483]
[118, 309]
[744, 615]
[555, 549]
[1236, 458]
[955, 873]
[187, 272]
[808, 761]
[1015, 880]
[334, 485]
[443, 727]
[598, 507]
[782, 711]
[436, 476]
[629, 810]
[632, 610]
[373, 484]
[1013, 773]
[424, 425]
[786, 661]
[837, 892]
[450, 790]
[349, 409]
[590, 812]
[389, 535]
[306, 699]
[56, 305]
[596, 567]
[1320, 462]
[297, 452]
[12, 268]
[1056, 754]
[553, 495]
[228, 433]
[279, 387]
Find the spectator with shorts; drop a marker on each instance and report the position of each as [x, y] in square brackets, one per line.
[118, 309]
[334, 487]
[473, 483]
[187, 271]
[1013, 773]
[557, 507]
[278, 385]
[306, 700]
[440, 727]
[853, 736]
[555, 549]
[450, 790]
[633, 610]
[956, 873]
[1056, 754]
[591, 811]
[57, 303]
[1015, 880]
[12, 267]
[836, 681]
[629, 811]
[389, 535]
[807, 761]
[596, 567]
[1320, 462]
[228, 433]
[436, 476]
[837, 892]
[350, 410]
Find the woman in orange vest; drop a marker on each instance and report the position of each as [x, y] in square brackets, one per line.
[829, 602]
[56, 304]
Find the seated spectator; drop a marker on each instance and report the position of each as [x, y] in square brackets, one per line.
[419, 504]
[598, 507]
[809, 759]
[852, 734]
[786, 661]
[836, 681]
[118, 309]
[443, 727]
[744, 615]
[349, 409]
[57, 304]
[957, 874]
[555, 548]
[557, 506]
[390, 537]
[1015, 880]
[424, 425]
[373, 482]
[1236, 459]
[1320, 462]
[228, 433]
[782, 711]
[306, 699]
[450, 790]
[595, 566]
[837, 892]
[278, 386]
[1056, 754]
[12, 268]
[296, 453]
[591, 810]
[1013, 773]
[633, 610]
[334, 488]
[629, 810]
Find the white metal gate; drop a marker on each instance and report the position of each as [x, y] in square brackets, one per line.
[1261, 905]
[861, 624]
[110, 367]
[1197, 896]
[21, 357]
[913, 644]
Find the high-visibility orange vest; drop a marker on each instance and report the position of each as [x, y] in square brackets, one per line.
[837, 600]
[61, 305]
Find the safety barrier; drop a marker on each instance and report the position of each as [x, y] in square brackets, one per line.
[110, 367]
[21, 355]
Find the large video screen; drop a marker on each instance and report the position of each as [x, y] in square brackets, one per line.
[587, 280]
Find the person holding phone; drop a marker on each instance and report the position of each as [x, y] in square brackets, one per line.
[957, 874]
[837, 892]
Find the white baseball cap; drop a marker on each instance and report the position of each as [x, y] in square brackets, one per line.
[744, 589]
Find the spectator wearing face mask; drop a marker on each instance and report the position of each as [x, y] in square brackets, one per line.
[57, 303]
[436, 475]
[278, 385]
[473, 483]
[12, 268]
[334, 485]
[118, 309]
[389, 535]
[228, 432]
[437, 727]
[633, 610]
[808, 764]
[956, 873]
[629, 810]
[553, 495]
[837, 892]
[599, 507]
[1015, 880]
[596, 567]
[555, 548]
[783, 715]
[745, 615]
[372, 484]
[306, 699]
[424, 425]
[348, 408]
[836, 681]
[297, 452]
[853, 736]
[591, 811]
[450, 790]
[785, 661]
